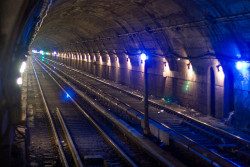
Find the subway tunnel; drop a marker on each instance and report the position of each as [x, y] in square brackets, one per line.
[190, 58]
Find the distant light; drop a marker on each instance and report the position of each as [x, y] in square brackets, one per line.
[41, 52]
[219, 68]
[143, 57]
[244, 65]
[34, 51]
[179, 59]
[23, 66]
[67, 95]
[54, 67]
[47, 53]
[54, 52]
[19, 81]
[241, 65]
[238, 55]
[190, 69]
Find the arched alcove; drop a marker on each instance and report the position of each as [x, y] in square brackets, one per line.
[228, 93]
[211, 92]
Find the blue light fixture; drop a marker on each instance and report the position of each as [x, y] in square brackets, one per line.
[241, 65]
[41, 52]
[143, 57]
[34, 51]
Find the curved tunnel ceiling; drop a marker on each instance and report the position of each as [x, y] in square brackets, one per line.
[162, 27]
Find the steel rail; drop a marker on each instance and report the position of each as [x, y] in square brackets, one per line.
[154, 153]
[58, 143]
[209, 156]
[102, 132]
[72, 147]
[232, 136]
[190, 144]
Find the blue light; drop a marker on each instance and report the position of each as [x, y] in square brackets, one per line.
[54, 67]
[244, 65]
[241, 65]
[144, 57]
[67, 95]
[34, 51]
[54, 52]
[41, 52]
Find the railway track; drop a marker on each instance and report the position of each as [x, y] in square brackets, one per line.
[91, 137]
[219, 146]
[41, 147]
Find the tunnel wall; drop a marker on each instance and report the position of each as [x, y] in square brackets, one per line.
[188, 88]
[205, 33]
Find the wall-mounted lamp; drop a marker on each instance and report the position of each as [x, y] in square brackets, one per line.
[127, 58]
[22, 68]
[241, 65]
[19, 81]
[166, 69]
[219, 68]
[143, 57]
[41, 52]
[34, 51]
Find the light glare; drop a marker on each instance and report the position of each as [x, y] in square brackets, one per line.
[19, 81]
[239, 65]
[242, 65]
[220, 69]
[34, 51]
[23, 66]
[41, 52]
[143, 57]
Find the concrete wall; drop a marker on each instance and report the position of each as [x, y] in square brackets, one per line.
[186, 87]
[189, 88]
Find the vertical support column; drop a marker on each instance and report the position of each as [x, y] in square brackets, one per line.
[146, 130]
